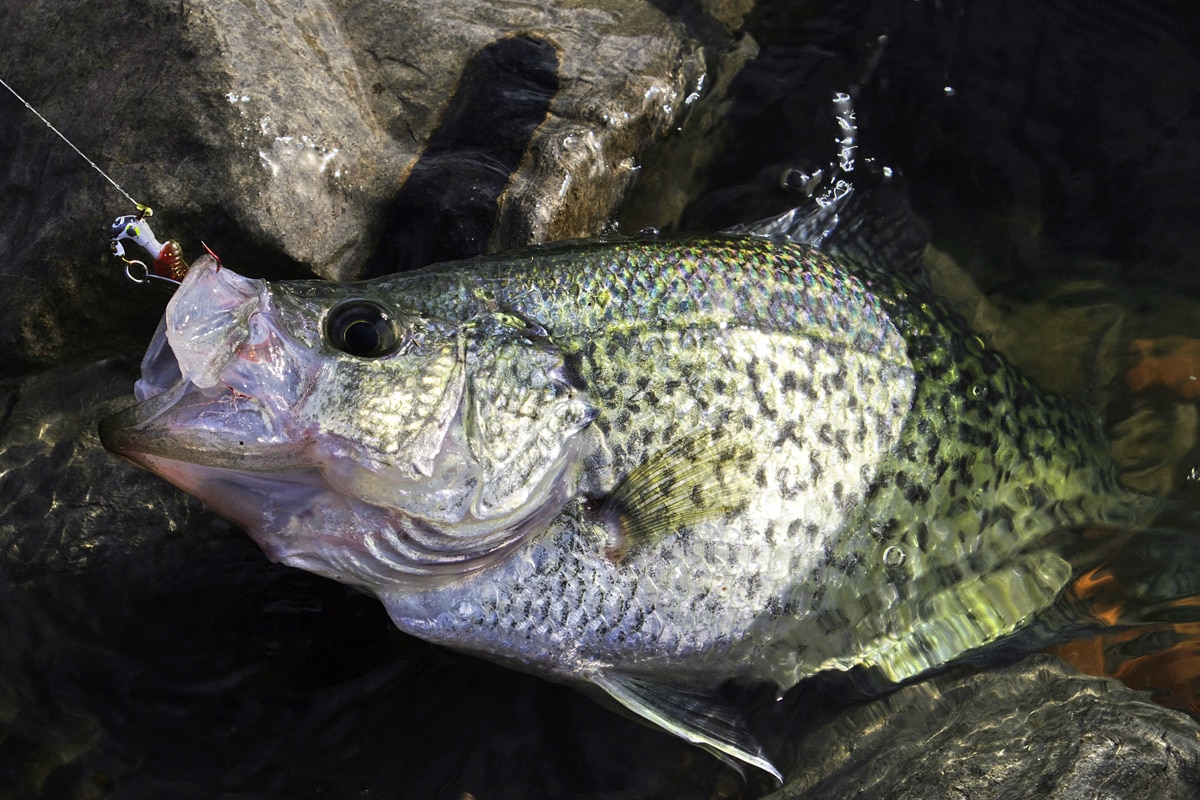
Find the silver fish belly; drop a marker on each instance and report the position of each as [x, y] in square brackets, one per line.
[649, 466]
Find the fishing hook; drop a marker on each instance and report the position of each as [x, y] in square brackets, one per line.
[146, 274]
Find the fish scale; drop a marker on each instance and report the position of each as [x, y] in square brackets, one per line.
[699, 459]
[948, 395]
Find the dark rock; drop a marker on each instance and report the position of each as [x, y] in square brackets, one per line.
[66, 505]
[1034, 729]
[1028, 131]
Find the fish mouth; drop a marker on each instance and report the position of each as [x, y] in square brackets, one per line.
[223, 447]
[178, 424]
[215, 427]
[230, 451]
[217, 382]
[280, 495]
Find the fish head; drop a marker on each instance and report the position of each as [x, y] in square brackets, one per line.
[348, 433]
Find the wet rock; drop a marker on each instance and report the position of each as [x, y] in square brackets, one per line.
[66, 505]
[290, 138]
[1034, 729]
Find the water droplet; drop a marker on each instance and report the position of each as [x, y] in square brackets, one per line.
[794, 179]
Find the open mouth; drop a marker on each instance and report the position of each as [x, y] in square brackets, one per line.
[200, 399]
[281, 496]
[216, 426]
[204, 427]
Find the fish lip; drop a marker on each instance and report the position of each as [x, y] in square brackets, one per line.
[124, 432]
[115, 431]
[162, 427]
[208, 411]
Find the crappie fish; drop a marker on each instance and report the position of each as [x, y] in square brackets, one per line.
[642, 466]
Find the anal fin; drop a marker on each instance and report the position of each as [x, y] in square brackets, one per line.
[689, 713]
[960, 618]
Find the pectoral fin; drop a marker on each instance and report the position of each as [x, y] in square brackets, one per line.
[698, 478]
[691, 714]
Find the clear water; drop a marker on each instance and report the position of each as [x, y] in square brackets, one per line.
[148, 650]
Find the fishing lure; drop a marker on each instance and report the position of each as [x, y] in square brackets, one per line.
[166, 257]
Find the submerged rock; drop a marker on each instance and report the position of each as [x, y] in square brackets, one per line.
[1033, 729]
[64, 506]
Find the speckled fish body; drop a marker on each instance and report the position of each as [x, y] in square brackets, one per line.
[634, 464]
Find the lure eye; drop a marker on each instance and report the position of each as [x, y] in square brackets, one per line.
[361, 328]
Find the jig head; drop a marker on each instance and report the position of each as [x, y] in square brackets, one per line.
[166, 257]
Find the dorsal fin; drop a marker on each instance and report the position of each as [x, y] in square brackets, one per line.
[874, 226]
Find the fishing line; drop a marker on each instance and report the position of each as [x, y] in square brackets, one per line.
[168, 264]
[140, 207]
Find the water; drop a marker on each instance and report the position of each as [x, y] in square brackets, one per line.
[149, 650]
[1145, 613]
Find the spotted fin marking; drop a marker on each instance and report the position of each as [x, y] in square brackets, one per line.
[973, 611]
[697, 478]
[689, 713]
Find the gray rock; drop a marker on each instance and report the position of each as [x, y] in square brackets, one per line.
[1034, 729]
[280, 134]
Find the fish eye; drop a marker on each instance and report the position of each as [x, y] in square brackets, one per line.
[361, 328]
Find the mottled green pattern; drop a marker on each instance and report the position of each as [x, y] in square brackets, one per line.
[900, 468]
[646, 465]
[616, 287]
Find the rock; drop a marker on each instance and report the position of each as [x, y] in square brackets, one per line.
[65, 504]
[290, 137]
[1033, 729]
